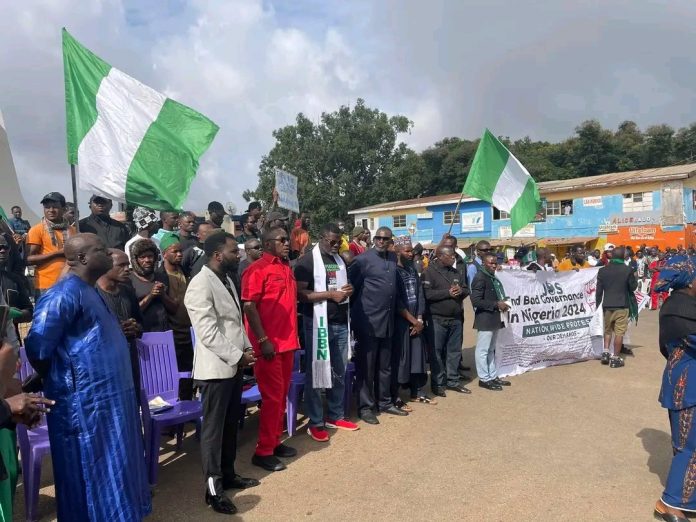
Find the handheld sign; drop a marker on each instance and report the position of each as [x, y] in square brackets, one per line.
[286, 185]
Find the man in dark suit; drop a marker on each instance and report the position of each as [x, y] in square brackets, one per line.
[616, 283]
[113, 233]
[487, 296]
[373, 276]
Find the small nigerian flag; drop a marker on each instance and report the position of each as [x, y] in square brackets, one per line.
[498, 177]
[132, 143]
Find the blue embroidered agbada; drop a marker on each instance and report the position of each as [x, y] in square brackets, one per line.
[76, 344]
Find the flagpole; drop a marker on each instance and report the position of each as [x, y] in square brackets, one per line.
[454, 216]
[74, 195]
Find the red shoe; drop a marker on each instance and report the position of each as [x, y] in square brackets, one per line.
[341, 424]
[318, 433]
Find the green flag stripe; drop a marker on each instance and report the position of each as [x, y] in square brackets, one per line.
[526, 207]
[489, 161]
[160, 174]
[84, 72]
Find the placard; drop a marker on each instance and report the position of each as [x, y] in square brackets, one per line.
[286, 185]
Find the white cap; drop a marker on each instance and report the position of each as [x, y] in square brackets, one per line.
[608, 246]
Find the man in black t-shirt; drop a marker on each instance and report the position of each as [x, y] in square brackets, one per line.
[336, 299]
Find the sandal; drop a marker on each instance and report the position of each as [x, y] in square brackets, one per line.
[402, 405]
[426, 400]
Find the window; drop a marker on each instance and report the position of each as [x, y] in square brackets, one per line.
[400, 221]
[637, 202]
[500, 214]
[449, 215]
[363, 223]
[559, 208]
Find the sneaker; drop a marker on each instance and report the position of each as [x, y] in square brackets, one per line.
[341, 424]
[616, 362]
[605, 357]
[318, 433]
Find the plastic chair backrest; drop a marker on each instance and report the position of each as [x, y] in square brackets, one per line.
[159, 372]
[25, 370]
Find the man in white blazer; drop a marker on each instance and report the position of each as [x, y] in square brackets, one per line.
[221, 351]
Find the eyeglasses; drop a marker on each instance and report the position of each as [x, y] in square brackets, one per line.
[381, 238]
[485, 250]
[282, 239]
[254, 248]
[332, 242]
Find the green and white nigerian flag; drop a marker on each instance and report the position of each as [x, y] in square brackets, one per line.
[132, 143]
[498, 177]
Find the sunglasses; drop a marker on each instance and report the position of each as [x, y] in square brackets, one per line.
[381, 238]
[485, 250]
[282, 240]
[4, 246]
[254, 248]
[332, 242]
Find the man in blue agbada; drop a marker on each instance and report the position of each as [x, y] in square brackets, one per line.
[77, 347]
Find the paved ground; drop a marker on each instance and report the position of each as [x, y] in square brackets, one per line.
[578, 442]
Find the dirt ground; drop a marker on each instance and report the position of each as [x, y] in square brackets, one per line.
[577, 442]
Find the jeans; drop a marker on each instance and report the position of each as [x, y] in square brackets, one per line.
[338, 352]
[485, 355]
[446, 347]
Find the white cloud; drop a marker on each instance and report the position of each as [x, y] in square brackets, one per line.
[252, 65]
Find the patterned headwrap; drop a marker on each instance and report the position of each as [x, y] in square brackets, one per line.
[143, 217]
[168, 240]
[678, 272]
[402, 241]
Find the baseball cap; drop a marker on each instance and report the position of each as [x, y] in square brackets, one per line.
[216, 206]
[272, 216]
[608, 246]
[56, 197]
[97, 196]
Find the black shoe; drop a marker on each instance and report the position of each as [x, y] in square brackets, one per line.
[627, 351]
[459, 389]
[616, 362]
[439, 392]
[393, 410]
[490, 385]
[269, 463]
[240, 483]
[284, 451]
[369, 417]
[501, 382]
[669, 517]
[605, 357]
[220, 503]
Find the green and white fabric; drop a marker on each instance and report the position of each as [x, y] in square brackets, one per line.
[321, 360]
[498, 177]
[132, 143]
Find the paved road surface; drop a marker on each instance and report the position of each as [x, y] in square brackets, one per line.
[577, 442]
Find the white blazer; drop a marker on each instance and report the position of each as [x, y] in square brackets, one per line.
[217, 321]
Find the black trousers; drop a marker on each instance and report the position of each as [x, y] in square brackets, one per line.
[221, 410]
[373, 372]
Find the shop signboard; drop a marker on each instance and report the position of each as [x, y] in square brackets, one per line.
[472, 221]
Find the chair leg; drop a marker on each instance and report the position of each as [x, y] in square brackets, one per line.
[291, 407]
[32, 484]
[155, 434]
[179, 437]
[242, 416]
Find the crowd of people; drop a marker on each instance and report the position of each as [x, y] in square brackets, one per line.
[253, 300]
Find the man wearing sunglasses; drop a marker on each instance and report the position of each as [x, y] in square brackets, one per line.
[252, 248]
[482, 248]
[323, 291]
[373, 276]
[269, 293]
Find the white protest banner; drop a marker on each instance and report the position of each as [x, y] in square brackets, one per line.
[553, 320]
[286, 185]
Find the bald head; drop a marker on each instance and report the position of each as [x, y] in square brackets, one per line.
[445, 255]
[87, 257]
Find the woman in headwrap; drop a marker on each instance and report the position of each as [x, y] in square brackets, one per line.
[678, 392]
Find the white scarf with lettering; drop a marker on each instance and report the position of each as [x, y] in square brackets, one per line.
[321, 356]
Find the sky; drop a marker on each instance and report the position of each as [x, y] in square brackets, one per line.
[520, 68]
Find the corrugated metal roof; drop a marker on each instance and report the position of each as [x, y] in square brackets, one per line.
[632, 177]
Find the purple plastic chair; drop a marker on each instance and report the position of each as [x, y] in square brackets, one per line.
[160, 377]
[297, 383]
[33, 446]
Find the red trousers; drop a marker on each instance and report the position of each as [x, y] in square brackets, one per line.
[273, 378]
[656, 297]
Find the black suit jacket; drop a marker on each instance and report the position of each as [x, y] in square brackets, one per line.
[614, 284]
[485, 301]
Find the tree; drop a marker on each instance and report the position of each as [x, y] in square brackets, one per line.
[628, 144]
[593, 151]
[658, 149]
[350, 159]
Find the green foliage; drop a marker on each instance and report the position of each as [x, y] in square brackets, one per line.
[352, 158]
